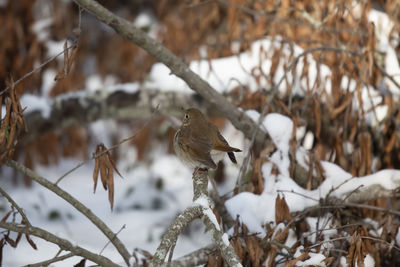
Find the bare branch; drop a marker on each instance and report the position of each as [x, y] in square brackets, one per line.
[171, 235]
[200, 209]
[15, 205]
[53, 260]
[127, 30]
[195, 258]
[62, 243]
[76, 204]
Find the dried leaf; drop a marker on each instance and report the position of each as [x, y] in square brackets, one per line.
[110, 182]
[33, 245]
[81, 263]
[282, 213]
[103, 171]
[6, 216]
[96, 170]
[113, 163]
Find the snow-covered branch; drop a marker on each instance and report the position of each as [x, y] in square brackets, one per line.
[201, 208]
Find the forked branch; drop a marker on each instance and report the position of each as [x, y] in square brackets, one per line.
[201, 208]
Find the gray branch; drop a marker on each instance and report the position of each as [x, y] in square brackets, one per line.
[170, 237]
[127, 30]
[199, 209]
[53, 260]
[195, 258]
[62, 243]
[77, 205]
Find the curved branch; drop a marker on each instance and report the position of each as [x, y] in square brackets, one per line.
[195, 258]
[170, 237]
[201, 208]
[76, 204]
[62, 243]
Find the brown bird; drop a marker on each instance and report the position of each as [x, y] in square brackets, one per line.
[199, 143]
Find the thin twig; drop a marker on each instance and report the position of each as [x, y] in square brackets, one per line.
[330, 240]
[365, 206]
[38, 68]
[16, 206]
[109, 241]
[382, 241]
[76, 204]
[94, 156]
[62, 243]
[52, 260]
[297, 193]
[171, 254]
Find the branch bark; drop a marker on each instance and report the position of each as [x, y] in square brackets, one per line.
[76, 204]
[201, 208]
[195, 258]
[127, 30]
[62, 243]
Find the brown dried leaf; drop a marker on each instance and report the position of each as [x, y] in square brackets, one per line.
[12, 242]
[113, 165]
[6, 216]
[81, 263]
[68, 61]
[318, 120]
[302, 257]
[282, 213]
[96, 169]
[33, 245]
[341, 108]
[103, 171]
[110, 182]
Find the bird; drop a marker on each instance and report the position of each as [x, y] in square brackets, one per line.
[199, 144]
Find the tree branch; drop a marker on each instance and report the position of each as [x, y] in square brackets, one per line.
[53, 260]
[195, 258]
[62, 243]
[76, 204]
[16, 206]
[171, 235]
[127, 30]
[201, 208]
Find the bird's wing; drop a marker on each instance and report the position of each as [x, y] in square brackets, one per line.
[199, 147]
[221, 143]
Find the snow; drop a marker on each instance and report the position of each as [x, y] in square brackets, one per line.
[369, 261]
[280, 130]
[54, 48]
[255, 210]
[343, 261]
[40, 28]
[145, 211]
[224, 78]
[35, 103]
[210, 214]
[225, 239]
[202, 201]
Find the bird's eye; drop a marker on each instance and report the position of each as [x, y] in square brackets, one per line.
[186, 116]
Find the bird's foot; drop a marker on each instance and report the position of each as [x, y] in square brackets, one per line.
[197, 169]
